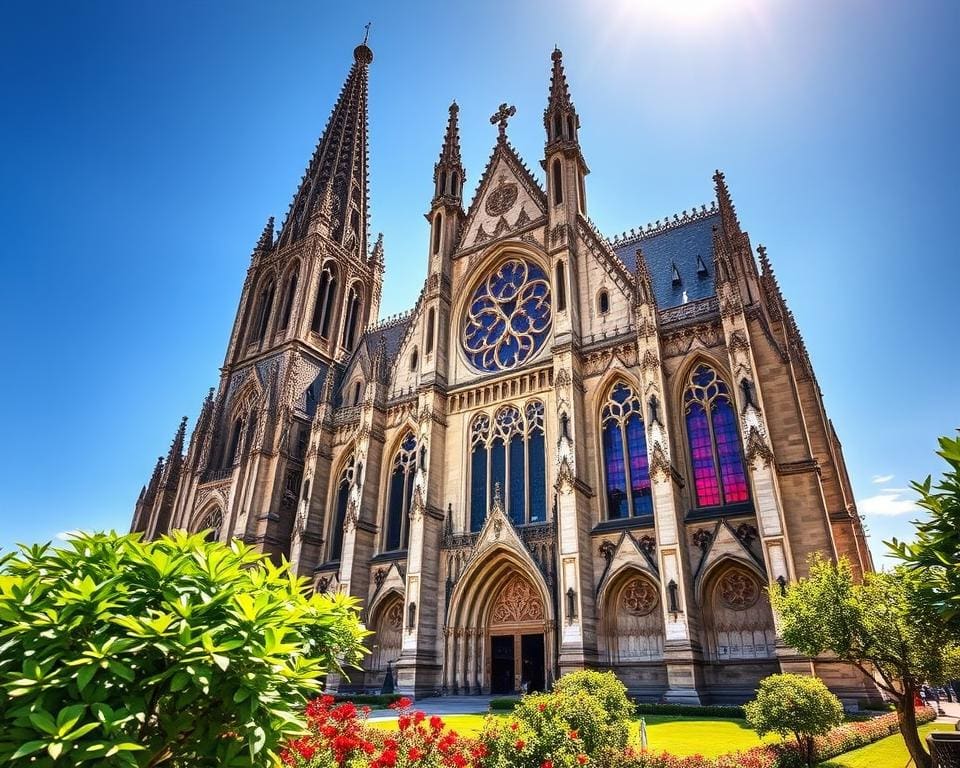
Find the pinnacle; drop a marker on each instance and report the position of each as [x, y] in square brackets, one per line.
[266, 237]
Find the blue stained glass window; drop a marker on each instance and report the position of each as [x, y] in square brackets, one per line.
[478, 487]
[639, 473]
[498, 469]
[616, 471]
[509, 317]
[518, 489]
[538, 480]
[395, 523]
[728, 451]
[336, 535]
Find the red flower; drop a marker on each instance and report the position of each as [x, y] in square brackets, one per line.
[514, 725]
[458, 760]
[574, 734]
[418, 717]
[403, 722]
[542, 706]
[326, 700]
[582, 759]
[546, 764]
[367, 747]
[480, 750]
[520, 744]
[414, 754]
[436, 723]
[402, 703]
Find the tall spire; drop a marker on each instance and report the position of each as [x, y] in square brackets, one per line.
[336, 178]
[171, 468]
[560, 117]
[448, 173]
[728, 214]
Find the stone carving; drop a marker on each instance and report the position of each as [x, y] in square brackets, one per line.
[517, 602]
[607, 550]
[648, 545]
[747, 533]
[702, 538]
[639, 597]
[379, 576]
[738, 590]
[394, 616]
[502, 197]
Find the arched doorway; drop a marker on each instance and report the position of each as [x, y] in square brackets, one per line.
[517, 641]
[500, 630]
[388, 638]
[738, 616]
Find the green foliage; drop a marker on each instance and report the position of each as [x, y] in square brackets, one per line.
[883, 625]
[687, 710]
[546, 729]
[605, 688]
[118, 652]
[563, 712]
[794, 705]
[504, 703]
[935, 554]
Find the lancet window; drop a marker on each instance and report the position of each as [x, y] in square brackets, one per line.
[400, 494]
[715, 455]
[509, 453]
[625, 463]
[340, 509]
[323, 307]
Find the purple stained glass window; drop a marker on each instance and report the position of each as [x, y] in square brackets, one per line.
[639, 472]
[625, 454]
[616, 470]
[718, 471]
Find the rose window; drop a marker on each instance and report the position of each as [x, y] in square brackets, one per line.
[508, 318]
[738, 590]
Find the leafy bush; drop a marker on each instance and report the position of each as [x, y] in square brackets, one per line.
[794, 705]
[688, 710]
[541, 735]
[611, 694]
[118, 652]
[504, 704]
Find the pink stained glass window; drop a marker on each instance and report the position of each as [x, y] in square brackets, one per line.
[701, 454]
[732, 476]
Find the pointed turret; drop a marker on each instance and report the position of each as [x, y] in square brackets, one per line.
[148, 495]
[728, 214]
[171, 470]
[376, 257]
[199, 432]
[448, 173]
[644, 283]
[336, 179]
[563, 161]
[560, 117]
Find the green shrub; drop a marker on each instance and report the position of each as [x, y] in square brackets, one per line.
[123, 653]
[566, 713]
[504, 703]
[688, 710]
[606, 689]
[794, 705]
[542, 733]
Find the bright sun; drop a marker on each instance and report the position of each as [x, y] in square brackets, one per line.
[684, 13]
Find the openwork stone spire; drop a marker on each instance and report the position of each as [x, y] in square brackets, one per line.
[448, 173]
[334, 187]
[560, 117]
[728, 214]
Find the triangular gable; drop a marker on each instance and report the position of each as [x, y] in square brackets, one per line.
[508, 198]
[627, 553]
[392, 580]
[725, 543]
[498, 531]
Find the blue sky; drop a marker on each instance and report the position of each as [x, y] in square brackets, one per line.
[145, 144]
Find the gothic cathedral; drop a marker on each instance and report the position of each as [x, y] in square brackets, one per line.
[573, 451]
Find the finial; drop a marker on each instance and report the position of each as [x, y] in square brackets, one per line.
[500, 118]
[557, 53]
[366, 32]
[362, 54]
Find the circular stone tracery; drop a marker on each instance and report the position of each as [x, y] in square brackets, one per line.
[738, 590]
[508, 318]
[639, 597]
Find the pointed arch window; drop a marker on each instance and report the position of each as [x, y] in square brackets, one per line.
[353, 319]
[431, 318]
[233, 446]
[509, 454]
[437, 228]
[603, 302]
[557, 183]
[561, 288]
[323, 307]
[400, 494]
[714, 441]
[625, 463]
[266, 306]
[340, 509]
[287, 307]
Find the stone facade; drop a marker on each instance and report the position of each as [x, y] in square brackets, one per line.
[572, 452]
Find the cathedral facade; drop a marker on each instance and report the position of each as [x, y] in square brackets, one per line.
[573, 451]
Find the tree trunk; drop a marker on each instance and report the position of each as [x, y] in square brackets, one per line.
[907, 718]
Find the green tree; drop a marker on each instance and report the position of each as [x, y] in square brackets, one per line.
[935, 554]
[605, 688]
[883, 626]
[176, 652]
[794, 705]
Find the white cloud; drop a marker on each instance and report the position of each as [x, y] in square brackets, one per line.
[881, 479]
[66, 535]
[887, 503]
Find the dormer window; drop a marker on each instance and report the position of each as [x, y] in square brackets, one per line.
[603, 302]
[701, 268]
[676, 280]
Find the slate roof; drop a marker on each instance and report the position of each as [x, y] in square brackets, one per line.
[678, 245]
[393, 334]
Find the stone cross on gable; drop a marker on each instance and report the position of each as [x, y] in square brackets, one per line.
[501, 116]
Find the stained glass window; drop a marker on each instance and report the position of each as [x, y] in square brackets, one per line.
[400, 494]
[718, 472]
[509, 453]
[508, 317]
[340, 510]
[625, 459]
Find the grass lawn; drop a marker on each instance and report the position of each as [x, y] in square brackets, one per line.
[678, 735]
[886, 753]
